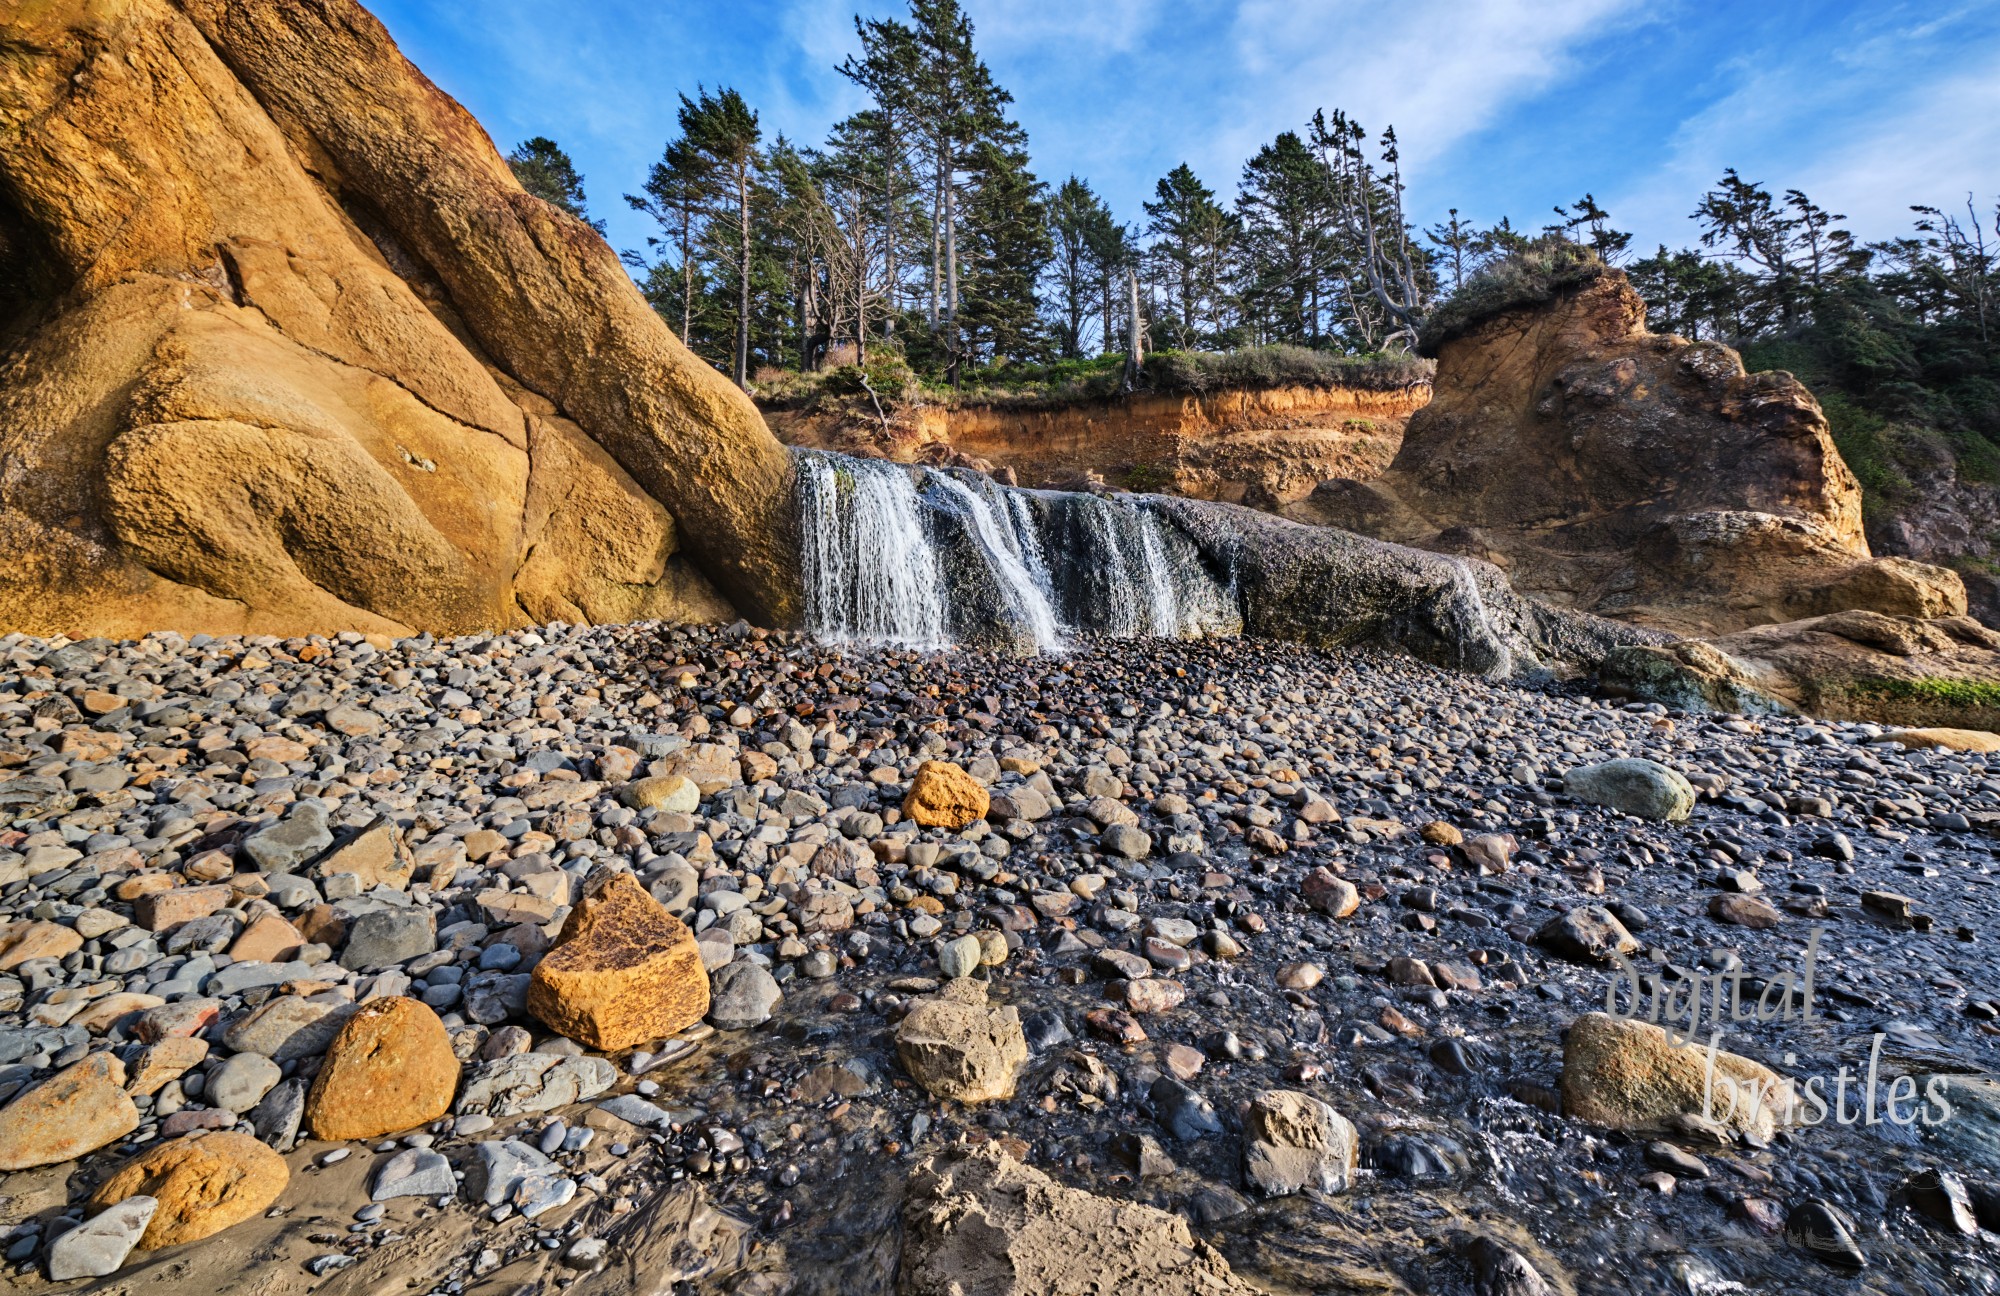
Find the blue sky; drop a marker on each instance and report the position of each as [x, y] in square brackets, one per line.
[1502, 106]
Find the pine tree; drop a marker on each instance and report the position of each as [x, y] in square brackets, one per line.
[959, 114]
[1007, 245]
[1287, 240]
[722, 129]
[1114, 255]
[1584, 214]
[679, 192]
[1080, 228]
[1458, 242]
[1193, 238]
[545, 171]
[877, 142]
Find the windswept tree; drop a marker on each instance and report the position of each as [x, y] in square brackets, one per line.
[723, 132]
[1369, 208]
[679, 193]
[1960, 261]
[1790, 244]
[545, 171]
[1457, 242]
[1583, 221]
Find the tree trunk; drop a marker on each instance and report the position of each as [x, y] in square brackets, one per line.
[687, 276]
[743, 281]
[937, 250]
[889, 285]
[951, 279]
[805, 308]
[1110, 315]
[1133, 360]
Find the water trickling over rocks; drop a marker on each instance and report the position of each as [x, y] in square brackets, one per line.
[926, 557]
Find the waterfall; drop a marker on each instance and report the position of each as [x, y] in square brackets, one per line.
[1116, 592]
[1467, 585]
[1003, 547]
[869, 570]
[926, 557]
[1165, 607]
[1023, 520]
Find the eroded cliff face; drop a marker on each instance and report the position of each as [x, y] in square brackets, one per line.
[1633, 475]
[1264, 448]
[288, 350]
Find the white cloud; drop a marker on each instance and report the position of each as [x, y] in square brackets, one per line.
[1861, 136]
[1438, 70]
[1934, 152]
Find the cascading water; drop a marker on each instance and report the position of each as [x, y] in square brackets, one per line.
[870, 571]
[925, 557]
[1164, 606]
[1003, 549]
[1502, 664]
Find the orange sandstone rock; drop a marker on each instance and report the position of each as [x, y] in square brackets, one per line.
[624, 970]
[942, 795]
[79, 1109]
[389, 1069]
[20, 942]
[204, 1184]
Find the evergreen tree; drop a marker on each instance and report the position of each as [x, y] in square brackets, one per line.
[1391, 286]
[545, 171]
[1114, 253]
[1790, 246]
[877, 143]
[959, 112]
[1690, 295]
[1584, 214]
[1458, 244]
[1499, 240]
[1287, 244]
[1080, 229]
[1193, 237]
[679, 192]
[722, 130]
[1007, 246]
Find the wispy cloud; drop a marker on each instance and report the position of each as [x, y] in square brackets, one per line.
[1865, 120]
[1438, 71]
[1502, 106]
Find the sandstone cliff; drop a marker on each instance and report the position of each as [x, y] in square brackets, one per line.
[288, 350]
[1634, 475]
[1265, 448]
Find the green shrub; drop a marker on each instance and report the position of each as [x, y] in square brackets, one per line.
[886, 372]
[1096, 378]
[1279, 365]
[1538, 273]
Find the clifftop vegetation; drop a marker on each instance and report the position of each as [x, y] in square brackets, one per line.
[1063, 382]
[1533, 275]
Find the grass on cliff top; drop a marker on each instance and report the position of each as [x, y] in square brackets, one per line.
[1073, 382]
[1538, 273]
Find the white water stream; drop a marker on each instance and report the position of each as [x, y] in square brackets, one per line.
[914, 556]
